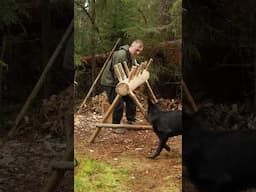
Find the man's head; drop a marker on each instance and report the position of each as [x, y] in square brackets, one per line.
[136, 47]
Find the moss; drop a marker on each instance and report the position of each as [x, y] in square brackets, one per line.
[96, 176]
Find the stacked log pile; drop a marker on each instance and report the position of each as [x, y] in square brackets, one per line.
[48, 117]
[224, 117]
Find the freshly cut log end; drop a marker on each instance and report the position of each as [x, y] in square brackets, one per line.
[139, 80]
[122, 88]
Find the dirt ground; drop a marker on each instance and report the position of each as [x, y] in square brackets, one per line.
[25, 160]
[25, 164]
[129, 150]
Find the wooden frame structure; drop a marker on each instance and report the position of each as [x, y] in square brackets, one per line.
[129, 80]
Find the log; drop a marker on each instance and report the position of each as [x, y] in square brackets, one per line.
[149, 62]
[152, 95]
[138, 80]
[126, 68]
[137, 68]
[111, 108]
[136, 101]
[109, 125]
[97, 78]
[124, 87]
[118, 73]
[140, 69]
[42, 78]
[121, 69]
[132, 73]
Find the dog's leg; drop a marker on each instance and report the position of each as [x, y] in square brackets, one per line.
[167, 147]
[162, 144]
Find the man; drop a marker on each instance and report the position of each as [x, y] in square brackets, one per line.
[109, 82]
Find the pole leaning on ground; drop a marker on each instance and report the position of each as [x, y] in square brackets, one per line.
[97, 78]
[42, 78]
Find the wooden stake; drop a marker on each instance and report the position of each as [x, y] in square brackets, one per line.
[139, 71]
[126, 68]
[121, 69]
[132, 72]
[149, 62]
[152, 95]
[136, 101]
[118, 73]
[97, 78]
[111, 108]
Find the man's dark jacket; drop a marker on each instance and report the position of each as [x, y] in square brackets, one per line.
[108, 77]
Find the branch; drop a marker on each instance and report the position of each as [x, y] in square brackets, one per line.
[87, 13]
[91, 19]
[144, 17]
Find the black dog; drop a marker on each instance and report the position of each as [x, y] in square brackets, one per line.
[165, 125]
[218, 161]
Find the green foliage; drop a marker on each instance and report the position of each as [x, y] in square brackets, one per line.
[8, 13]
[3, 64]
[91, 176]
[119, 15]
[129, 19]
[161, 68]
[176, 18]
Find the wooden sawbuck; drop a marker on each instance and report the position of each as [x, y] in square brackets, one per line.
[129, 80]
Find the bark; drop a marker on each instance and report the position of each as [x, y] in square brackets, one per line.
[164, 14]
[93, 43]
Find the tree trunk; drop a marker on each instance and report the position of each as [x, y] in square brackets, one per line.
[93, 43]
[46, 39]
[254, 31]
[255, 73]
[164, 7]
[1, 74]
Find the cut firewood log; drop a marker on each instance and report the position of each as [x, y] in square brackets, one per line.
[124, 86]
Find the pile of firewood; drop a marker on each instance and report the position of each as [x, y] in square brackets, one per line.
[170, 104]
[229, 117]
[49, 118]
